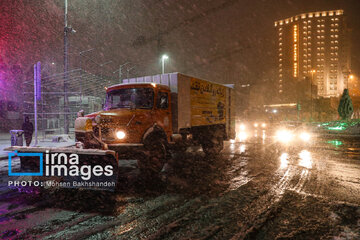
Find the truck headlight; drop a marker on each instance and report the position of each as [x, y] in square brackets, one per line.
[305, 136]
[120, 134]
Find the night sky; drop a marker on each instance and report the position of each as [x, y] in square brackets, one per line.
[226, 41]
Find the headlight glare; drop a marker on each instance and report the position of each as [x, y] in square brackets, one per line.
[120, 134]
[284, 136]
[305, 136]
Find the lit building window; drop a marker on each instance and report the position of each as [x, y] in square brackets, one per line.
[296, 50]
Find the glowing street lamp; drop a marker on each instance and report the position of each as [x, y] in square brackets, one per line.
[351, 77]
[311, 83]
[163, 58]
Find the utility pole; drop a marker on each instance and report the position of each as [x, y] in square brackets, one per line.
[102, 69]
[128, 70]
[120, 71]
[67, 29]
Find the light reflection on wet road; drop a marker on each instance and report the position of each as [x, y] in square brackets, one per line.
[325, 167]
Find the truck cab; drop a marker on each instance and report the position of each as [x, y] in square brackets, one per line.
[130, 113]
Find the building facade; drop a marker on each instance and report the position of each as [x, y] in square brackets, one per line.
[313, 47]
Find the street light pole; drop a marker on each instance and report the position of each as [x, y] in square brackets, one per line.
[311, 98]
[163, 58]
[351, 77]
[66, 67]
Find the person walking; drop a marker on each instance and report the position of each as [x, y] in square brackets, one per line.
[28, 129]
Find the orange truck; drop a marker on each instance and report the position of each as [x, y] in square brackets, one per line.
[157, 114]
[144, 118]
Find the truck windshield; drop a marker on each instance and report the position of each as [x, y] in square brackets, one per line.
[130, 98]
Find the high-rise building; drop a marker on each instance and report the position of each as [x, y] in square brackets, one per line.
[315, 47]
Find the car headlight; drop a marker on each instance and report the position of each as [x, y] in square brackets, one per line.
[305, 136]
[120, 134]
[284, 136]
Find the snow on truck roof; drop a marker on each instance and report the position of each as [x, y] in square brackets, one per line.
[138, 83]
[163, 80]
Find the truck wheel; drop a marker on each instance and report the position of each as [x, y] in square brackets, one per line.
[154, 159]
[214, 145]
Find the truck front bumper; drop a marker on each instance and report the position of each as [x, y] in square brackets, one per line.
[127, 150]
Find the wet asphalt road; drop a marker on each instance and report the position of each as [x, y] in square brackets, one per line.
[256, 189]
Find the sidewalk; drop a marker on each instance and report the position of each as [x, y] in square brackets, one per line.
[5, 142]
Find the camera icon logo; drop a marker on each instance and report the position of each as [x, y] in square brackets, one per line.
[15, 153]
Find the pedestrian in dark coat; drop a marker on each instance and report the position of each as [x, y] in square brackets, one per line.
[28, 129]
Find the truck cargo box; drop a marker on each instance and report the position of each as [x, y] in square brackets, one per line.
[196, 102]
